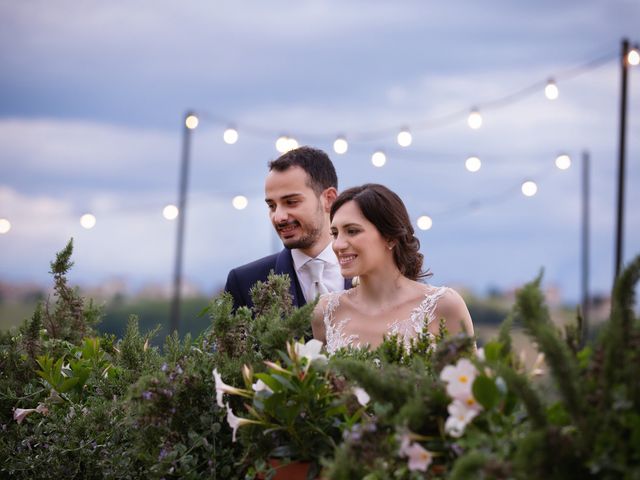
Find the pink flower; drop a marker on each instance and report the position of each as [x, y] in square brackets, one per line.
[419, 457]
[19, 414]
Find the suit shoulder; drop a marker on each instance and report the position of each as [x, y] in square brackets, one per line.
[264, 264]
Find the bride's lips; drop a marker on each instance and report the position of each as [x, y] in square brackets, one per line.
[346, 259]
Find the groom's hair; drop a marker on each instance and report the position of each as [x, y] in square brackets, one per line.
[315, 162]
[387, 212]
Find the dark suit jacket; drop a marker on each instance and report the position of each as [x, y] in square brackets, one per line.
[241, 279]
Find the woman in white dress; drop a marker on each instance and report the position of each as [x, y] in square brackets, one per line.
[374, 240]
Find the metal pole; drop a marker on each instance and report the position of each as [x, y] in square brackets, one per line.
[182, 213]
[621, 159]
[585, 245]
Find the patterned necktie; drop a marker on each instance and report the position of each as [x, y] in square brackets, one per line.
[316, 267]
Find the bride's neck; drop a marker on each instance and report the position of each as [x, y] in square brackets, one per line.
[381, 289]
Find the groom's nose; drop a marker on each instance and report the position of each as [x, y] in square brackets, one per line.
[280, 214]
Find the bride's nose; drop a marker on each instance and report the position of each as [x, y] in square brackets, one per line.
[339, 243]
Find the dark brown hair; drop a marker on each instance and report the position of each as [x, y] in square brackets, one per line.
[387, 212]
[315, 162]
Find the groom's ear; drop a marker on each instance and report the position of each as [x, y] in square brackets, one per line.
[329, 196]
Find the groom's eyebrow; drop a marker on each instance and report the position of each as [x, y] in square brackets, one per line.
[284, 197]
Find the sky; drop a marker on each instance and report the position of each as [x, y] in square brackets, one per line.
[93, 97]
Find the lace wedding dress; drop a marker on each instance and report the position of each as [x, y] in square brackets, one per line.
[407, 329]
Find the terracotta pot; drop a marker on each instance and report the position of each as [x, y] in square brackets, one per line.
[289, 471]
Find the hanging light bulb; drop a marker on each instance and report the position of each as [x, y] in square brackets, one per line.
[378, 159]
[529, 188]
[341, 145]
[633, 57]
[282, 143]
[230, 135]
[551, 90]
[240, 202]
[170, 212]
[563, 161]
[404, 137]
[5, 226]
[292, 144]
[88, 221]
[191, 121]
[475, 119]
[424, 222]
[473, 164]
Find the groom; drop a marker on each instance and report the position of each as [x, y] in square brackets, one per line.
[299, 189]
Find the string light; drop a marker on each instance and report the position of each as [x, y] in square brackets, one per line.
[170, 212]
[292, 144]
[563, 161]
[475, 119]
[529, 188]
[88, 221]
[191, 121]
[340, 145]
[240, 202]
[282, 143]
[5, 226]
[378, 159]
[551, 90]
[424, 222]
[633, 57]
[404, 137]
[473, 164]
[230, 135]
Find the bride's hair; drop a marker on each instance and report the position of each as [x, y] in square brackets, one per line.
[387, 212]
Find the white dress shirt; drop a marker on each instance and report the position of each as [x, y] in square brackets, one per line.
[331, 276]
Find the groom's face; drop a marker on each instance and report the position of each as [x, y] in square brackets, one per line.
[299, 216]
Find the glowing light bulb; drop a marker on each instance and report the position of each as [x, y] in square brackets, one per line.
[551, 90]
[404, 137]
[88, 221]
[191, 122]
[292, 144]
[633, 57]
[563, 162]
[341, 145]
[473, 164]
[378, 159]
[529, 188]
[230, 136]
[240, 202]
[170, 212]
[475, 119]
[5, 226]
[424, 222]
[282, 143]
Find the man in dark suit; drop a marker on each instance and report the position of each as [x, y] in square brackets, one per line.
[299, 189]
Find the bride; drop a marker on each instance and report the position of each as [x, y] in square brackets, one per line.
[374, 240]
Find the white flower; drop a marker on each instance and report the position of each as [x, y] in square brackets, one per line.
[260, 386]
[460, 414]
[222, 387]
[236, 422]
[459, 378]
[419, 457]
[480, 354]
[537, 369]
[362, 396]
[20, 414]
[310, 351]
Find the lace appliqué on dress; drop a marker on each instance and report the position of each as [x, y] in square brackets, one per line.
[420, 317]
[406, 329]
[335, 336]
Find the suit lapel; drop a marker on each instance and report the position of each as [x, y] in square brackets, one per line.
[284, 264]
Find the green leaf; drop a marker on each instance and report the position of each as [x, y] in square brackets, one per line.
[285, 382]
[492, 351]
[486, 392]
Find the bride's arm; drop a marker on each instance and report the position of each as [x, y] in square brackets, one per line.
[317, 321]
[452, 308]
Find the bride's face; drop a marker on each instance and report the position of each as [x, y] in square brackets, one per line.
[358, 244]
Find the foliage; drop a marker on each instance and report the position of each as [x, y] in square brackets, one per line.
[76, 404]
